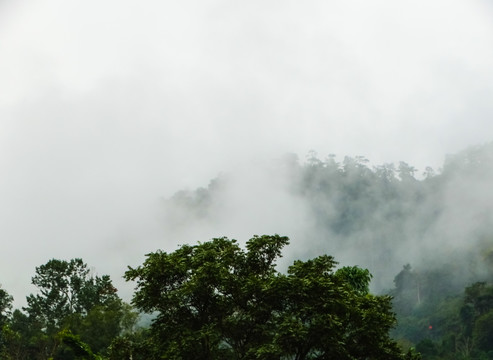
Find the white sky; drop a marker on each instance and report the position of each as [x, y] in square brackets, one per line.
[106, 106]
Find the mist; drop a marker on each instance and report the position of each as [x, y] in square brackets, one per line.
[108, 109]
[379, 217]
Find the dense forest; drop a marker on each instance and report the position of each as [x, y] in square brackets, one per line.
[431, 219]
[213, 300]
[426, 239]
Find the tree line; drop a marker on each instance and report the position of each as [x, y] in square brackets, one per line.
[217, 300]
[212, 300]
[395, 212]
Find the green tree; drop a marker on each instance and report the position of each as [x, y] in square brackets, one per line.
[24, 338]
[332, 315]
[66, 288]
[205, 293]
[5, 306]
[358, 278]
[483, 332]
[137, 345]
[71, 298]
[5, 314]
[215, 300]
[407, 292]
[80, 349]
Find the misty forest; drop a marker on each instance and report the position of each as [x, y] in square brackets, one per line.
[391, 263]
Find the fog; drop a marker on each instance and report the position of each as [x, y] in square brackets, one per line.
[107, 108]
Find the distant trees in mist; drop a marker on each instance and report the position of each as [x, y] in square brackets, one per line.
[440, 321]
[383, 217]
[425, 239]
[394, 212]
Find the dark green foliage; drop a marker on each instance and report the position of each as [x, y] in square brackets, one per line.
[427, 348]
[358, 278]
[479, 297]
[74, 315]
[80, 349]
[5, 313]
[215, 300]
[407, 291]
[195, 289]
[451, 327]
[137, 345]
[5, 306]
[324, 313]
[483, 332]
[67, 288]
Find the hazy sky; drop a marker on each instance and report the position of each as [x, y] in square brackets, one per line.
[107, 106]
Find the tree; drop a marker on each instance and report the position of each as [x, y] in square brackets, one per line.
[483, 332]
[358, 278]
[407, 292]
[137, 345]
[215, 300]
[5, 306]
[66, 288]
[71, 298]
[5, 314]
[331, 315]
[24, 338]
[205, 293]
[80, 349]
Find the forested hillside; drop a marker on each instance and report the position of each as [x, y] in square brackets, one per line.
[426, 238]
[381, 217]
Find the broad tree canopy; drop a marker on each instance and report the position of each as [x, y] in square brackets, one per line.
[215, 300]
